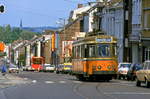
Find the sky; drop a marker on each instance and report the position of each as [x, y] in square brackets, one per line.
[36, 13]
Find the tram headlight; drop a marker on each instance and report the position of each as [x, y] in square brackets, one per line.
[99, 67]
[109, 67]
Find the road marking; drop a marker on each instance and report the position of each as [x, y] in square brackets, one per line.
[34, 81]
[122, 84]
[25, 78]
[49, 82]
[78, 82]
[62, 82]
[127, 93]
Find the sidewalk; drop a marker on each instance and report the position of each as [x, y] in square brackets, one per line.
[9, 80]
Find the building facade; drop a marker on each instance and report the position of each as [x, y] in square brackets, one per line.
[145, 35]
[113, 24]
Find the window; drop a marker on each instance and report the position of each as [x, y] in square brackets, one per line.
[92, 51]
[125, 65]
[37, 61]
[78, 52]
[145, 66]
[114, 50]
[82, 51]
[104, 50]
[146, 20]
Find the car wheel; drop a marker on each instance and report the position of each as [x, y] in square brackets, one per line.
[147, 84]
[138, 83]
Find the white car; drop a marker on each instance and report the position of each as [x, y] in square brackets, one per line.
[49, 67]
[13, 70]
[123, 69]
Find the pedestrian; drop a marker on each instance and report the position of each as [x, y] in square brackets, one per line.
[4, 70]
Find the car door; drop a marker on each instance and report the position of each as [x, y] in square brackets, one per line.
[144, 71]
[148, 72]
[140, 74]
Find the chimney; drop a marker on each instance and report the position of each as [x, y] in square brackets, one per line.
[80, 5]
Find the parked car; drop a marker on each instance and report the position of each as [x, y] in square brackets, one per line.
[131, 74]
[122, 70]
[49, 67]
[29, 68]
[67, 68]
[13, 69]
[143, 75]
[59, 68]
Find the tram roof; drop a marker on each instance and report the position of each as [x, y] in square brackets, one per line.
[92, 39]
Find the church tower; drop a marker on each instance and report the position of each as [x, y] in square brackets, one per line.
[21, 24]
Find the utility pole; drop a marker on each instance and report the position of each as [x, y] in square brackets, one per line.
[127, 7]
[62, 22]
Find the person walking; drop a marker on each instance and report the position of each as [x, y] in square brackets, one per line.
[4, 70]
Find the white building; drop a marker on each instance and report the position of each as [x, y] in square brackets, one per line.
[136, 30]
[113, 24]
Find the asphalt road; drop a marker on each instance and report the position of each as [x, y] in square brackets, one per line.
[62, 86]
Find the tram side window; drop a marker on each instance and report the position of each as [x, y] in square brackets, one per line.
[104, 50]
[82, 51]
[90, 51]
[114, 50]
[78, 52]
[73, 52]
[86, 51]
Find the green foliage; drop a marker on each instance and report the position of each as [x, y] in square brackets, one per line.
[2, 54]
[8, 34]
[26, 35]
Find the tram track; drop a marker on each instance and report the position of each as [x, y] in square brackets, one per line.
[76, 90]
[97, 90]
[103, 93]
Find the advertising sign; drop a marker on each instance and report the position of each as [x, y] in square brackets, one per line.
[66, 48]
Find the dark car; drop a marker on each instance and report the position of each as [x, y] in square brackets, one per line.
[59, 68]
[131, 74]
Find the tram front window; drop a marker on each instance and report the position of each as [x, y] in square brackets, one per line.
[103, 50]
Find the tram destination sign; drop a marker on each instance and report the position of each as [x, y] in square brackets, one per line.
[103, 39]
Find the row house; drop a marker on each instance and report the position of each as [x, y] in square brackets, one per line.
[135, 36]
[23, 51]
[109, 20]
[113, 24]
[17, 52]
[145, 33]
[112, 18]
[129, 21]
[71, 31]
[38, 47]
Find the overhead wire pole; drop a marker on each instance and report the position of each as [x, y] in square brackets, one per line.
[62, 22]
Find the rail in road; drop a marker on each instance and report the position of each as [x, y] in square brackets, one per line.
[115, 89]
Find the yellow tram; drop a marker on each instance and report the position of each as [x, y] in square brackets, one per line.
[95, 57]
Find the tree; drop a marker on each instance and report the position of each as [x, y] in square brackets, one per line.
[27, 35]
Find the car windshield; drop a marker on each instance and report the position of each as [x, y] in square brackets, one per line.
[104, 50]
[68, 66]
[52, 66]
[137, 66]
[125, 65]
[47, 65]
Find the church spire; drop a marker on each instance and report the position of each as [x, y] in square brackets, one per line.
[21, 24]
